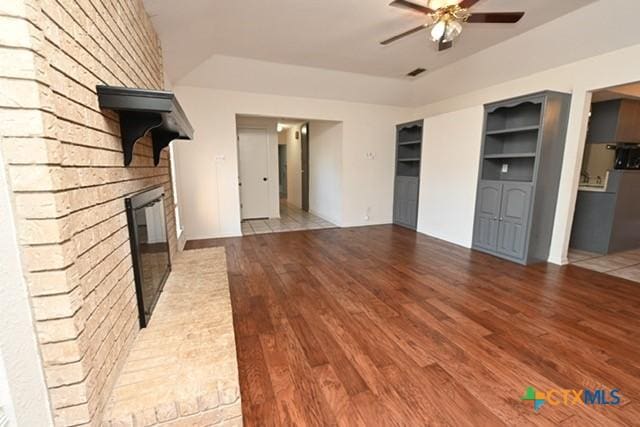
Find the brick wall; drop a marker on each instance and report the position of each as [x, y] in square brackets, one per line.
[64, 163]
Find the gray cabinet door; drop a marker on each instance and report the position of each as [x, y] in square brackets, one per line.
[514, 218]
[405, 209]
[487, 214]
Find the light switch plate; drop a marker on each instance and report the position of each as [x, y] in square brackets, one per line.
[505, 168]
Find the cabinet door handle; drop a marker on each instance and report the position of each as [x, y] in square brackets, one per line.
[501, 219]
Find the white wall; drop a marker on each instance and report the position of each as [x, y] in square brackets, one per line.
[294, 165]
[325, 170]
[449, 171]
[270, 126]
[613, 68]
[207, 166]
[18, 346]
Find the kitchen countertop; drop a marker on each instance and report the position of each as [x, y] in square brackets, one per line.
[593, 188]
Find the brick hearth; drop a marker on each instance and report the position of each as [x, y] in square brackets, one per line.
[182, 369]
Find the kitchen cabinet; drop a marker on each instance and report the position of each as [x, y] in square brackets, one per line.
[608, 221]
[615, 121]
[520, 165]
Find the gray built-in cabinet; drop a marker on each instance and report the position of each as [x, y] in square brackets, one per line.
[407, 178]
[520, 166]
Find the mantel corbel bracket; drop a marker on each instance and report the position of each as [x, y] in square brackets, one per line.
[133, 126]
[161, 139]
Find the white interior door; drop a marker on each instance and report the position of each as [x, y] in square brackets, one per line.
[253, 148]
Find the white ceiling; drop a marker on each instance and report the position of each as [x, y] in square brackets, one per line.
[339, 35]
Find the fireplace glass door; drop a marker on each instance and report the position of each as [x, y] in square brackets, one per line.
[149, 248]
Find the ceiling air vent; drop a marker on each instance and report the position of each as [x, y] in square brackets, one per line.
[416, 72]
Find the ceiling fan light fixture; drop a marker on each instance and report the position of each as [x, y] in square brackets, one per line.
[446, 19]
[452, 31]
[438, 30]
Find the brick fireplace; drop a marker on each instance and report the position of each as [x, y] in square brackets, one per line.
[64, 161]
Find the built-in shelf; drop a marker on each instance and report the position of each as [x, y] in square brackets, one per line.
[407, 180]
[523, 142]
[509, 156]
[410, 142]
[513, 130]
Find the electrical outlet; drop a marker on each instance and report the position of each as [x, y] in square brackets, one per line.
[505, 168]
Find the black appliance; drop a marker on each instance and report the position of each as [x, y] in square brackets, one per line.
[628, 157]
[149, 248]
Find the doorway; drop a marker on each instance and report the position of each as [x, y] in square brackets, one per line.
[253, 159]
[286, 181]
[605, 234]
[304, 148]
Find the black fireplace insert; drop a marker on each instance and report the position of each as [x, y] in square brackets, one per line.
[149, 248]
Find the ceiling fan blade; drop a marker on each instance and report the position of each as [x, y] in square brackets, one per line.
[495, 18]
[442, 45]
[466, 4]
[405, 34]
[409, 5]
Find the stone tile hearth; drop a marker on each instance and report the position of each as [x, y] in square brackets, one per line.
[182, 369]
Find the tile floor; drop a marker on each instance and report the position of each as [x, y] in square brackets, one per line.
[291, 219]
[622, 264]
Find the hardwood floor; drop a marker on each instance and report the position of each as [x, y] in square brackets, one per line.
[381, 326]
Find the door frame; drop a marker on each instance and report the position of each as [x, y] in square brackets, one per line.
[265, 129]
[304, 166]
[282, 149]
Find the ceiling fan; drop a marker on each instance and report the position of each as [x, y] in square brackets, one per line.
[446, 21]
